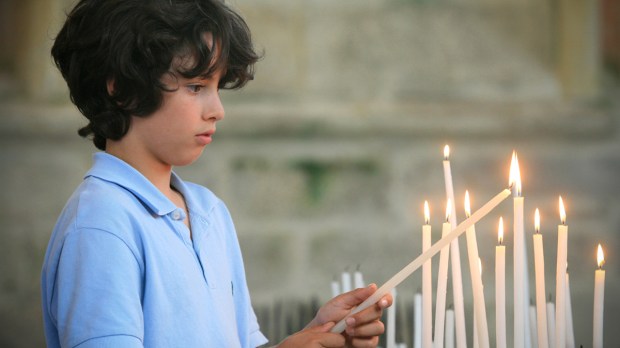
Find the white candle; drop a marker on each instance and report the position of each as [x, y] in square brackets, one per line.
[500, 288]
[335, 288]
[532, 321]
[358, 279]
[476, 339]
[457, 281]
[519, 253]
[599, 297]
[417, 320]
[481, 331]
[450, 328]
[442, 284]
[346, 281]
[418, 261]
[570, 332]
[551, 323]
[539, 268]
[427, 282]
[390, 334]
[560, 282]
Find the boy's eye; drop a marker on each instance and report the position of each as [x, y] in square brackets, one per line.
[194, 88]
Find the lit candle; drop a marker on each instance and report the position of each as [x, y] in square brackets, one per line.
[481, 331]
[599, 297]
[500, 288]
[419, 261]
[417, 320]
[442, 284]
[457, 281]
[570, 332]
[427, 282]
[358, 278]
[539, 268]
[551, 323]
[519, 255]
[346, 281]
[560, 282]
[450, 328]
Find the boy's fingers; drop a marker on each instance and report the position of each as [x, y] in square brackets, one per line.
[353, 298]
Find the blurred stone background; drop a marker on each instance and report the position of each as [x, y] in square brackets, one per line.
[326, 158]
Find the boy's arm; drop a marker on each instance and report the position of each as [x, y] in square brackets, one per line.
[97, 293]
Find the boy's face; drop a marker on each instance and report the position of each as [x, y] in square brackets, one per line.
[177, 132]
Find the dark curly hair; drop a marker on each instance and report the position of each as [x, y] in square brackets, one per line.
[133, 43]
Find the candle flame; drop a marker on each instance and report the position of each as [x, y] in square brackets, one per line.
[514, 180]
[562, 212]
[537, 221]
[448, 209]
[427, 213]
[600, 257]
[446, 152]
[500, 231]
[467, 207]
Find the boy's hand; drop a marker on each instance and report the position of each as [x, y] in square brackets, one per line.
[363, 328]
[314, 337]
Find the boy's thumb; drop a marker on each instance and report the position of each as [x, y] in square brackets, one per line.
[323, 328]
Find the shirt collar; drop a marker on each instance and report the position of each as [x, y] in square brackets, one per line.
[112, 169]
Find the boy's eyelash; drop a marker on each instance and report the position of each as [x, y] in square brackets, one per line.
[195, 88]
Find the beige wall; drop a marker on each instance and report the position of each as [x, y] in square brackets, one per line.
[325, 159]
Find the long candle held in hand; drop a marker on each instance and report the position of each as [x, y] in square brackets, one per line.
[481, 326]
[427, 282]
[455, 258]
[560, 282]
[500, 288]
[599, 297]
[539, 264]
[442, 284]
[519, 256]
[418, 261]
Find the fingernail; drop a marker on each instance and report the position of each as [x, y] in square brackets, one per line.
[350, 321]
[384, 303]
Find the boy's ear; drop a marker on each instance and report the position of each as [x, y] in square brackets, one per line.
[110, 86]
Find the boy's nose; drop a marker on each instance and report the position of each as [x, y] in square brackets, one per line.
[214, 109]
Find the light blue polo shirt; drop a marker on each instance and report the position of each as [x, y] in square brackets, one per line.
[121, 270]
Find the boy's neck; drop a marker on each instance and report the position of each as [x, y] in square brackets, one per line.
[158, 173]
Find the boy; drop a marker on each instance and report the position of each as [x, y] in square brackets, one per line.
[138, 257]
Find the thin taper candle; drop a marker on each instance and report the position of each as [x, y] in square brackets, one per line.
[599, 299]
[417, 320]
[500, 288]
[519, 254]
[442, 285]
[551, 322]
[455, 258]
[427, 282]
[539, 269]
[481, 326]
[560, 282]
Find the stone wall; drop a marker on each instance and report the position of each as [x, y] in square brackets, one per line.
[325, 159]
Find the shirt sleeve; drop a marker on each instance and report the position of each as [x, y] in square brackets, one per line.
[97, 292]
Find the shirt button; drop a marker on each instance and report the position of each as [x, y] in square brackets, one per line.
[176, 215]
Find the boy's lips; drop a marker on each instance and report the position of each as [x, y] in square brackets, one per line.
[205, 137]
